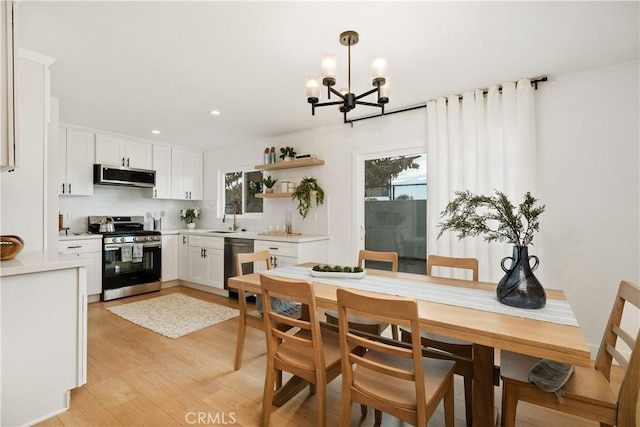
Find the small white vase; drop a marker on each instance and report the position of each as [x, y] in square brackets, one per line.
[191, 225]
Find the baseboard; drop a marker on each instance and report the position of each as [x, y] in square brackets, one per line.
[203, 288]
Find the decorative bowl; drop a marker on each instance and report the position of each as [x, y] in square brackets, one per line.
[10, 246]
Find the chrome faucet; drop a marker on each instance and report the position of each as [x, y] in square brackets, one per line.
[235, 211]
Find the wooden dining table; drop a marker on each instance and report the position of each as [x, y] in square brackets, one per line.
[486, 330]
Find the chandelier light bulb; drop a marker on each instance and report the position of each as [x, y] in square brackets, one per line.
[379, 70]
[328, 65]
[313, 88]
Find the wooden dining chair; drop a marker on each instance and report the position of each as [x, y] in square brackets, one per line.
[390, 376]
[588, 392]
[252, 318]
[360, 323]
[458, 350]
[312, 353]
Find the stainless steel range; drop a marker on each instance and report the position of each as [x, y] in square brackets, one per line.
[131, 256]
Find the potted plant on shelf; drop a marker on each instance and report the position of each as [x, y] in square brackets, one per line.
[189, 216]
[269, 183]
[287, 153]
[304, 192]
[496, 219]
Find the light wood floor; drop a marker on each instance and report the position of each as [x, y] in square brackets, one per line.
[137, 377]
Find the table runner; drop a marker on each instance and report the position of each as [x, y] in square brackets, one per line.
[555, 311]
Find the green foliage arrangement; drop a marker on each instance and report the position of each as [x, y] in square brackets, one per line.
[336, 269]
[269, 182]
[493, 217]
[304, 192]
[287, 152]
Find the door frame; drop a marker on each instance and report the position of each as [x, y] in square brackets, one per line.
[359, 157]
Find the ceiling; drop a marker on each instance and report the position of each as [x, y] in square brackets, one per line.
[130, 67]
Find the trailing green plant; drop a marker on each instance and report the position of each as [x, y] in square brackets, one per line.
[304, 192]
[287, 152]
[268, 181]
[493, 217]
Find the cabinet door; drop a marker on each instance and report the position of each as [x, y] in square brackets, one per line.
[169, 257]
[197, 265]
[110, 150]
[79, 163]
[162, 166]
[178, 191]
[194, 175]
[9, 87]
[62, 161]
[215, 268]
[139, 155]
[183, 257]
[282, 261]
[90, 248]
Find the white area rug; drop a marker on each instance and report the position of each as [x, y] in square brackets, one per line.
[174, 315]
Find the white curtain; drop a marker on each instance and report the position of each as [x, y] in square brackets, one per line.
[481, 143]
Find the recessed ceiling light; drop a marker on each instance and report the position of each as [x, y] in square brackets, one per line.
[156, 131]
[215, 112]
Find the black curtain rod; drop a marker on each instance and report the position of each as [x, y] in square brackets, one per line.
[534, 83]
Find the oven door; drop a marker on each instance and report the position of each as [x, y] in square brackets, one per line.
[119, 273]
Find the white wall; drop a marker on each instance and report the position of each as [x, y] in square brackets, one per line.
[588, 178]
[588, 175]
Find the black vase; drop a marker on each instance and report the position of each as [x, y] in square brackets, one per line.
[519, 287]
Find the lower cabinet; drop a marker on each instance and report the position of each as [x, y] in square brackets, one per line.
[170, 257]
[205, 261]
[87, 248]
[286, 253]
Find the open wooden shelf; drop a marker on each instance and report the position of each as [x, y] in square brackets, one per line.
[272, 195]
[300, 163]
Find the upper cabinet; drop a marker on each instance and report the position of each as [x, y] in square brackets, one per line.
[186, 175]
[162, 166]
[118, 151]
[75, 166]
[9, 129]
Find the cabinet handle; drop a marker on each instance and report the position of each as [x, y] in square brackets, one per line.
[205, 252]
[274, 261]
[69, 188]
[74, 247]
[273, 248]
[127, 162]
[184, 240]
[63, 188]
[123, 161]
[155, 192]
[186, 194]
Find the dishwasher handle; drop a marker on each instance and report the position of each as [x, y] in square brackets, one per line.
[239, 245]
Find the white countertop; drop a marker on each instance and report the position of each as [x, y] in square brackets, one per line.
[250, 235]
[37, 261]
[82, 236]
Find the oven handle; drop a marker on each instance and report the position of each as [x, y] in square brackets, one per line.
[117, 246]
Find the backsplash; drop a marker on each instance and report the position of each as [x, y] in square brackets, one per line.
[131, 201]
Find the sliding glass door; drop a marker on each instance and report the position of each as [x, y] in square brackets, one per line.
[394, 207]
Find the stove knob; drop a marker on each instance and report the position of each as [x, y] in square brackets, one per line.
[149, 238]
[118, 239]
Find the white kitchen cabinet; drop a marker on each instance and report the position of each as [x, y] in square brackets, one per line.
[87, 248]
[183, 257]
[292, 253]
[43, 335]
[9, 127]
[162, 166]
[75, 162]
[186, 175]
[206, 261]
[170, 257]
[118, 151]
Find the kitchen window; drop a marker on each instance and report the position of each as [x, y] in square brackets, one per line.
[240, 189]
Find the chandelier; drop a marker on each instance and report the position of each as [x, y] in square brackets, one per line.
[348, 100]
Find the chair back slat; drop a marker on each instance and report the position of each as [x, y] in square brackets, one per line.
[389, 257]
[452, 262]
[381, 347]
[245, 258]
[381, 368]
[628, 296]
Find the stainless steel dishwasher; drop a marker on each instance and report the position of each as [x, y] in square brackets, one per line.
[233, 246]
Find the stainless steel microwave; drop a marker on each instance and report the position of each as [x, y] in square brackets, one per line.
[118, 175]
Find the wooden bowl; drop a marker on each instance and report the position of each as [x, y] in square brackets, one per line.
[10, 246]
